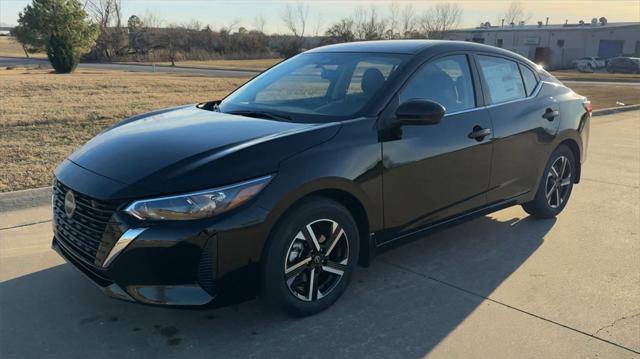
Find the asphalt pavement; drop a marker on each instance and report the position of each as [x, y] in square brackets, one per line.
[500, 286]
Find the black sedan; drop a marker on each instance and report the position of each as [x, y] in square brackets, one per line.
[314, 166]
[625, 65]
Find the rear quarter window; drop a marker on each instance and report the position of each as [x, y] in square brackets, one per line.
[529, 78]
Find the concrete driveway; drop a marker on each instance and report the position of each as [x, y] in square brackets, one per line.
[501, 286]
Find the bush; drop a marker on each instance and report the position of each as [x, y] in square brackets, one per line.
[61, 54]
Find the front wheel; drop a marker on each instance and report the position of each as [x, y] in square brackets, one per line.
[310, 257]
[555, 186]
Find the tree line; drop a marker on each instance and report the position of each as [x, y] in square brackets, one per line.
[96, 30]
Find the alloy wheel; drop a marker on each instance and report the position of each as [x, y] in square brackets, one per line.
[558, 182]
[316, 260]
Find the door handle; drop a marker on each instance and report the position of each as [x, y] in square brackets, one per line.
[479, 133]
[550, 114]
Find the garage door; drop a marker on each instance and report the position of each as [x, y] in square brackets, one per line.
[610, 48]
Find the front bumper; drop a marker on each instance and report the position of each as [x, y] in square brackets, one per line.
[207, 262]
[179, 264]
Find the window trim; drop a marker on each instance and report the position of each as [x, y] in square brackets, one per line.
[535, 93]
[520, 66]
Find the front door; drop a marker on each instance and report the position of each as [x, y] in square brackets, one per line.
[432, 172]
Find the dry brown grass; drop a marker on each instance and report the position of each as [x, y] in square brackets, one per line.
[44, 117]
[598, 76]
[607, 96]
[9, 47]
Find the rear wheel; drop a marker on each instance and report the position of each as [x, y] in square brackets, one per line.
[555, 186]
[311, 257]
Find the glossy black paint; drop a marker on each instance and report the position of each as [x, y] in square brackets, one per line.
[419, 112]
[397, 180]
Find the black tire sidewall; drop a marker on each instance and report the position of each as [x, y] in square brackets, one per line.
[539, 207]
[274, 288]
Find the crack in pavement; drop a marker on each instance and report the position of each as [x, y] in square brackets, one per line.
[615, 322]
[611, 183]
[25, 225]
[506, 305]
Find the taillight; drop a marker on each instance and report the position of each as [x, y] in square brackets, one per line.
[587, 106]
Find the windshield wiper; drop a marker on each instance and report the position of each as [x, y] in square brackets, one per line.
[262, 114]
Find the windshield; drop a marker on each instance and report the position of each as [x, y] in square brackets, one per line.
[315, 86]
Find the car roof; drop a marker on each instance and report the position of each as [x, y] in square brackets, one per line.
[382, 46]
[413, 47]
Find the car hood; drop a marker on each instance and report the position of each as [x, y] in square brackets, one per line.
[188, 148]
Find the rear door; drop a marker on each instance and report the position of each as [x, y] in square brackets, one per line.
[525, 120]
[432, 172]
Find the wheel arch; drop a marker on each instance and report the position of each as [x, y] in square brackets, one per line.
[338, 191]
[575, 149]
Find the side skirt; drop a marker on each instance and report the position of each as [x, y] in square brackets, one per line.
[446, 223]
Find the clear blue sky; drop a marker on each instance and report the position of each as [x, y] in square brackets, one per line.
[218, 13]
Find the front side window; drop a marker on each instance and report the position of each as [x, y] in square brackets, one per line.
[316, 87]
[502, 78]
[446, 80]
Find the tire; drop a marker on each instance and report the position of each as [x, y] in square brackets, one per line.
[555, 185]
[293, 259]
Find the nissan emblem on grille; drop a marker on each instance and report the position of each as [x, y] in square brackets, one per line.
[69, 204]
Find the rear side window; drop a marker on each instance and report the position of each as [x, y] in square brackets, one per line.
[529, 78]
[446, 80]
[502, 78]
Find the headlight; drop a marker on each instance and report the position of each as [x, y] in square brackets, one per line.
[199, 204]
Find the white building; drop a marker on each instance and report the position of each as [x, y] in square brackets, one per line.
[555, 46]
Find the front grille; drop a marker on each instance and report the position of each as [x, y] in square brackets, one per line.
[83, 232]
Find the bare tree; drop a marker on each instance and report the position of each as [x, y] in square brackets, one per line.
[295, 18]
[408, 20]
[112, 37]
[232, 25]
[318, 26]
[439, 19]
[342, 31]
[515, 13]
[259, 22]
[173, 39]
[152, 20]
[194, 25]
[368, 24]
[393, 19]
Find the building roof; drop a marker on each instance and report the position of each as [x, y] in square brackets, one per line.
[550, 27]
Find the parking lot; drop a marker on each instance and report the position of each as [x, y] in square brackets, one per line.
[501, 286]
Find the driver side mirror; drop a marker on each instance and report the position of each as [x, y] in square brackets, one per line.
[419, 112]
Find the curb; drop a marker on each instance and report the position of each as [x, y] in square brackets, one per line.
[26, 198]
[610, 110]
